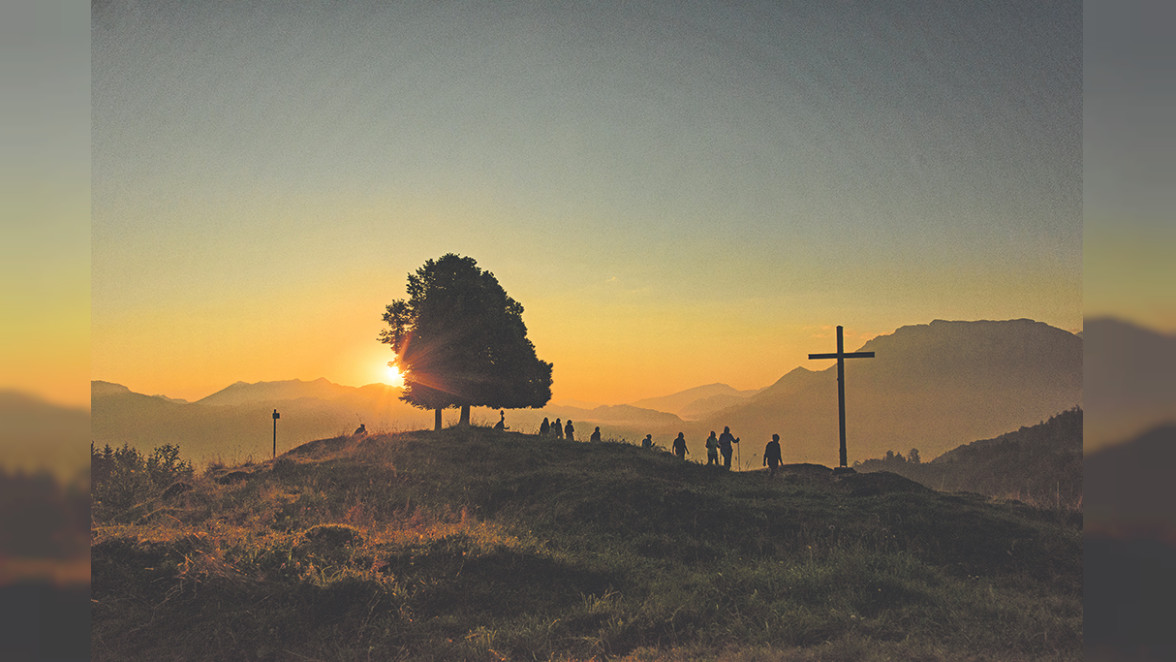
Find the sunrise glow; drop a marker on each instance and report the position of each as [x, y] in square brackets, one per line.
[392, 375]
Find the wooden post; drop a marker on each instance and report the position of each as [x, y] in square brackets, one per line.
[841, 356]
[276, 417]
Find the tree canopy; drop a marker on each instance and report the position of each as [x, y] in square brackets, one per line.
[461, 342]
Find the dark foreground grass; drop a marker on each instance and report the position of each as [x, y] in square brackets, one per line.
[471, 545]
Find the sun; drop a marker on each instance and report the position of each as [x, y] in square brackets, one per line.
[392, 375]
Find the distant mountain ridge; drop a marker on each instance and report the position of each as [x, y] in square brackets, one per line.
[236, 423]
[1130, 375]
[931, 386]
[36, 434]
[1040, 464]
[241, 393]
[1131, 482]
[698, 401]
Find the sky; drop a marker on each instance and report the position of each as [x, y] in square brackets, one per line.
[1129, 166]
[677, 193]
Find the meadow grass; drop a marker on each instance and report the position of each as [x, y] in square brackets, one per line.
[475, 545]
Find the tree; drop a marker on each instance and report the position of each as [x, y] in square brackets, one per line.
[460, 341]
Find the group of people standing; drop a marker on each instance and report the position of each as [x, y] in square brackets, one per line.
[559, 429]
[723, 444]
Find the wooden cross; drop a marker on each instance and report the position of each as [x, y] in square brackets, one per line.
[841, 356]
[276, 417]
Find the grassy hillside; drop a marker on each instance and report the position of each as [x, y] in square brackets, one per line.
[481, 546]
[1039, 464]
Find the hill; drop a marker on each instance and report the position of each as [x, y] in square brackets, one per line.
[472, 545]
[236, 423]
[242, 393]
[36, 434]
[1131, 482]
[1130, 380]
[1041, 464]
[931, 386]
[697, 402]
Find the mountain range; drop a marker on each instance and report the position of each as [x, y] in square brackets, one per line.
[931, 386]
[1130, 380]
[1039, 464]
[36, 434]
[1130, 483]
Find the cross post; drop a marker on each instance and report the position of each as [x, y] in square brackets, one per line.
[841, 356]
[276, 417]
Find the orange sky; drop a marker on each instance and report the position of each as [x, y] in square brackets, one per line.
[677, 196]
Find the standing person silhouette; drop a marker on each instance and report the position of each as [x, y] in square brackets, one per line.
[558, 428]
[569, 431]
[772, 455]
[725, 445]
[680, 446]
[647, 442]
[544, 427]
[712, 449]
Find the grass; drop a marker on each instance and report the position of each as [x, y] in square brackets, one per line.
[472, 545]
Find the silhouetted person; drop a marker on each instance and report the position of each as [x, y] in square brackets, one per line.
[725, 447]
[558, 427]
[712, 450]
[595, 434]
[361, 430]
[679, 446]
[772, 457]
[647, 442]
[569, 431]
[500, 426]
[544, 427]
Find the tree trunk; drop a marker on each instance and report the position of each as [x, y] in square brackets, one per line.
[464, 421]
[437, 419]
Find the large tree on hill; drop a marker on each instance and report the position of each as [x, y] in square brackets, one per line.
[460, 341]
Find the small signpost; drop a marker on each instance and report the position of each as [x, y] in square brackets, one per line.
[841, 356]
[276, 417]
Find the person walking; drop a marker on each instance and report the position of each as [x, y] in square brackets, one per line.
[569, 431]
[679, 447]
[772, 457]
[712, 450]
[725, 445]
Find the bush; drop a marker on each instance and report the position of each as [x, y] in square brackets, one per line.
[121, 478]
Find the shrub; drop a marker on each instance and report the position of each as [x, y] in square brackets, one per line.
[121, 478]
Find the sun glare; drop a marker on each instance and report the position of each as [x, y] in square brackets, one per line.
[392, 375]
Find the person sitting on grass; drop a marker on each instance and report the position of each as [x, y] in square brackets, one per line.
[500, 426]
[595, 434]
[360, 431]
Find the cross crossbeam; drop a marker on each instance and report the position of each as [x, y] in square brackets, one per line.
[841, 355]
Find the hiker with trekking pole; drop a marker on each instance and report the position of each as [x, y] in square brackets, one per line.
[725, 441]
